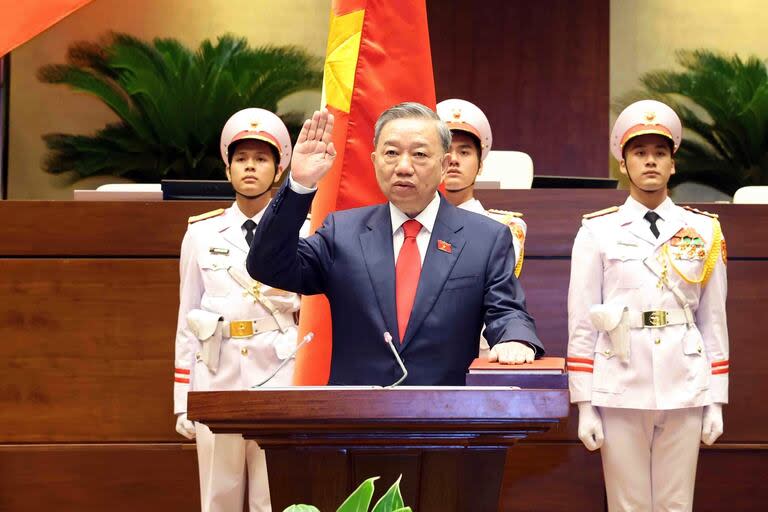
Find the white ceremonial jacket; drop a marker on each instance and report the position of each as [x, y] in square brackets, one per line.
[619, 352]
[213, 255]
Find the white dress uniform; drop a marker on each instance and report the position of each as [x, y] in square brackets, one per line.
[463, 116]
[517, 226]
[513, 220]
[232, 333]
[648, 345]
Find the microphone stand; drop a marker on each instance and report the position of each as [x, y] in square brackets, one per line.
[388, 340]
[306, 339]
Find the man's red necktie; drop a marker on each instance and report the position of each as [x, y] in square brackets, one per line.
[407, 271]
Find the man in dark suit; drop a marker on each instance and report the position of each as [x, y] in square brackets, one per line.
[415, 267]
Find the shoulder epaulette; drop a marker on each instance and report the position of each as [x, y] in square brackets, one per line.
[206, 215]
[600, 213]
[701, 212]
[505, 212]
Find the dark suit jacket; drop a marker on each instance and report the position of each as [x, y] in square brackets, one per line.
[351, 260]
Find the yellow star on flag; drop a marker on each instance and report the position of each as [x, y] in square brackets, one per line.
[341, 59]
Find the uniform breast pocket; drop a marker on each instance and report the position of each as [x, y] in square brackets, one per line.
[216, 279]
[455, 283]
[624, 266]
[690, 268]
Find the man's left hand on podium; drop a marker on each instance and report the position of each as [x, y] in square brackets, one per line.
[511, 352]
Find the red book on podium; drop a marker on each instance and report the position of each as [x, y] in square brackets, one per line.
[545, 372]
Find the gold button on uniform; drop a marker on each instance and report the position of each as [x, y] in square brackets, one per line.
[198, 356]
[244, 351]
[607, 352]
[658, 341]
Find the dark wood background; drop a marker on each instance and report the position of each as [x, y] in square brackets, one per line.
[89, 294]
[539, 71]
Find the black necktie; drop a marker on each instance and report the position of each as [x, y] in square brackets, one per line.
[651, 216]
[250, 227]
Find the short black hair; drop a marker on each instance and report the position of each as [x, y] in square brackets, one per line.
[475, 140]
[232, 149]
[670, 145]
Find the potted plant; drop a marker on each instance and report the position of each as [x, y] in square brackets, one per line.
[171, 101]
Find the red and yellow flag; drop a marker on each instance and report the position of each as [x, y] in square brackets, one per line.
[21, 21]
[378, 55]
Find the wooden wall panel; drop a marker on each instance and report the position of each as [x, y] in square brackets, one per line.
[539, 70]
[87, 352]
[117, 478]
[746, 416]
[544, 477]
[732, 480]
[97, 228]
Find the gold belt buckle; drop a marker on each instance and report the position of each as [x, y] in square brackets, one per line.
[242, 329]
[654, 318]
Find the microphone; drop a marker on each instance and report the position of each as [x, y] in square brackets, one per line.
[388, 340]
[305, 340]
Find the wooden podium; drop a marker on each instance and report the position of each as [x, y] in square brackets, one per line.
[449, 443]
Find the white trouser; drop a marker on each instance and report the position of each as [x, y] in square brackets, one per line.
[222, 460]
[649, 458]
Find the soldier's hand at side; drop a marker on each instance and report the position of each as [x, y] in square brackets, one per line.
[511, 352]
[184, 426]
[590, 426]
[712, 423]
[314, 152]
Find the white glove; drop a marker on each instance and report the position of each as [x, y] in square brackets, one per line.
[712, 423]
[590, 426]
[184, 426]
[511, 352]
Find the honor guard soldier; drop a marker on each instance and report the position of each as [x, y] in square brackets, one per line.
[233, 332]
[471, 141]
[648, 341]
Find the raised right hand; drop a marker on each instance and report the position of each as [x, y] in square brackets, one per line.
[314, 152]
[184, 426]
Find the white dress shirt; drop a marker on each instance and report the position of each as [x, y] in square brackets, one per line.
[426, 218]
[239, 218]
[637, 211]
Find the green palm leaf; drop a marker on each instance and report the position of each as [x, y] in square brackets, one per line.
[172, 102]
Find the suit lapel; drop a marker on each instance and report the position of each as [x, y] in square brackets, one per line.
[378, 253]
[437, 265]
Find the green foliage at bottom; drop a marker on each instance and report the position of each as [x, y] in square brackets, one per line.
[360, 500]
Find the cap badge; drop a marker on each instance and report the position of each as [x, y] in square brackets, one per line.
[649, 117]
